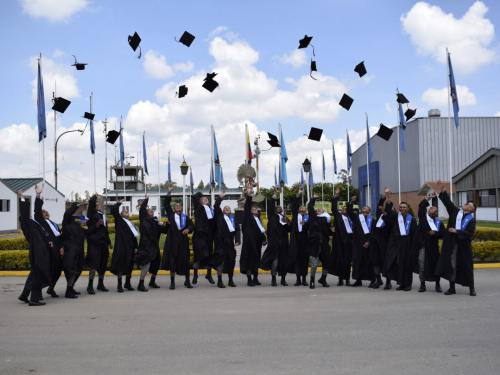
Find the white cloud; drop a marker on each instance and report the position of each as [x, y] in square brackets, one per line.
[367, 79]
[296, 59]
[156, 66]
[468, 38]
[53, 10]
[439, 98]
[497, 114]
[217, 31]
[388, 108]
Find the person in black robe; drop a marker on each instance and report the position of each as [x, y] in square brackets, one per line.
[342, 254]
[176, 250]
[427, 243]
[227, 236]
[253, 239]
[379, 239]
[456, 263]
[298, 254]
[320, 232]
[98, 245]
[43, 218]
[126, 246]
[276, 254]
[38, 238]
[203, 237]
[151, 229]
[362, 228]
[399, 260]
[73, 236]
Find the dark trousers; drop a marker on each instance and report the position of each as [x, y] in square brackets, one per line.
[33, 287]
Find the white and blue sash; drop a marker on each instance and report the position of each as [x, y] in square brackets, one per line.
[462, 222]
[380, 222]
[104, 218]
[404, 226]
[230, 222]
[210, 212]
[434, 225]
[347, 224]
[366, 224]
[300, 218]
[257, 220]
[181, 223]
[131, 226]
[54, 227]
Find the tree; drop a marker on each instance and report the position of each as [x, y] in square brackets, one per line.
[344, 176]
[77, 197]
[201, 185]
[87, 195]
[162, 186]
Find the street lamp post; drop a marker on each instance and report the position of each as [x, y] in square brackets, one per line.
[55, 152]
[184, 171]
[307, 168]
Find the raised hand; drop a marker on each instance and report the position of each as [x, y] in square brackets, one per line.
[432, 195]
[353, 198]
[277, 190]
[316, 195]
[170, 188]
[301, 190]
[122, 200]
[440, 185]
[20, 194]
[387, 190]
[147, 196]
[249, 189]
[337, 191]
[38, 190]
[223, 193]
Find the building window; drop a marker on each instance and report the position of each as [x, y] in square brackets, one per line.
[464, 197]
[487, 198]
[4, 205]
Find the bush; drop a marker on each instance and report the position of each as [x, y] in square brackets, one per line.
[486, 250]
[19, 243]
[486, 234]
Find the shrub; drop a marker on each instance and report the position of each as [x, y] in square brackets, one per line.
[486, 234]
[486, 250]
[19, 243]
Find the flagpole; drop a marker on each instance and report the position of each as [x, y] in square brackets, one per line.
[93, 159]
[159, 184]
[43, 139]
[399, 152]
[143, 175]
[449, 123]
[322, 181]
[213, 166]
[246, 146]
[348, 169]
[368, 195]
[281, 172]
[123, 166]
[105, 122]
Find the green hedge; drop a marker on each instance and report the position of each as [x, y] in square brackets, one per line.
[486, 234]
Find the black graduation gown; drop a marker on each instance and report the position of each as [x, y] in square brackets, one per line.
[55, 251]
[73, 236]
[224, 241]
[319, 236]
[252, 241]
[399, 250]
[125, 244]
[151, 231]
[430, 242]
[97, 242]
[362, 267]
[465, 260]
[204, 230]
[342, 255]
[379, 238]
[277, 241]
[298, 254]
[176, 249]
[39, 251]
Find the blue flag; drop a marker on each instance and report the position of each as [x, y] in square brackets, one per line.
[368, 142]
[216, 161]
[40, 102]
[453, 93]
[222, 179]
[324, 166]
[402, 127]
[302, 181]
[169, 177]
[191, 180]
[284, 159]
[311, 179]
[334, 159]
[122, 150]
[349, 154]
[92, 140]
[144, 153]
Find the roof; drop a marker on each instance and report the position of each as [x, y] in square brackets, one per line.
[177, 191]
[494, 151]
[16, 184]
[432, 185]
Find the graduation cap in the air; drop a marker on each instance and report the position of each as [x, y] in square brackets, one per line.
[186, 39]
[112, 136]
[273, 140]
[134, 42]
[79, 66]
[360, 69]
[410, 113]
[304, 43]
[315, 134]
[209, 83]
[60, 104]
[401, 98]
[89, 116]
[346, 101]
[183, 90]
[313, 69]
[384, 132]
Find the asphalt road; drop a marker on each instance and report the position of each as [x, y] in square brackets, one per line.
[261, 330]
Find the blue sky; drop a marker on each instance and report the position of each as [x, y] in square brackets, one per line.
[264, 78]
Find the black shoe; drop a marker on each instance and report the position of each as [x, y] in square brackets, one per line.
[304, 281]
[256, 280]
[472, 292]
[127, 285]
[372, 284]
[69, 293]
[51, 292]
[209, 278]
[298, 282]
[357, 283]
[422, 287]
[388, 285]
[172, 283]
[450, 292]
[283, 281]
[90, 287]
[438, 287]
[101, 287]
[36, 303]
[340, 283]
[23, 299]
[152, 283]
[187, 284]
[75, 292]
[407, 288]
[378, 283]
[141, 287]
[231, 283]
[401, 287]
[220, 284]
[322, 281]
[347, 282]
[311, 284]
[120, 288]
[195, 277]
[273, 282]
[40, 298]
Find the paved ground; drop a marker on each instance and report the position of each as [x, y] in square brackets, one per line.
[261, 330]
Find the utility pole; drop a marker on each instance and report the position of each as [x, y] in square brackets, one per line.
[105, 123]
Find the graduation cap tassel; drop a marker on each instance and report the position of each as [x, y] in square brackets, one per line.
[175, 38]
[313, 49]
[310, 74]
[140, 52]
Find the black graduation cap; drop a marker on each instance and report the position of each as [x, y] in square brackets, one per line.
[60, 104]
[346, 101]
[79, 66]
[313, 69]
[304, 43]
[186, 39]
[315, 134]
[402, 99]
[134, 42]
[273, 140]
[112, 136]
[183, 90]
[410, 113]
[210, 84]
[89, 116]
[360, 69]
[384, 132]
